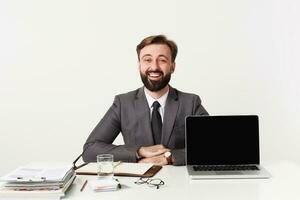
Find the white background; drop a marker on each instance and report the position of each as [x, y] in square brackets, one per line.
[62, 63]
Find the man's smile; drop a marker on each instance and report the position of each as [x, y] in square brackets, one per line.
[155, 76]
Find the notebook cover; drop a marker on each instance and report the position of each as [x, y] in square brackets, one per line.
[149, 173]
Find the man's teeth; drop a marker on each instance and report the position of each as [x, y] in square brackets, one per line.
[154, 74]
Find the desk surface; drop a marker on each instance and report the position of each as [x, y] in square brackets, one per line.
[284, 184]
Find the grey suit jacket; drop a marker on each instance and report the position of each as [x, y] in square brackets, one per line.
[130, 115]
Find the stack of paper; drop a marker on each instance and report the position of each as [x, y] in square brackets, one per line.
[104, 185]
[38, 179]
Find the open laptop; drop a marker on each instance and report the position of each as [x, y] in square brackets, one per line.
[223, 147]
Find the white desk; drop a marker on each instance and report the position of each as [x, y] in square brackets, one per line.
[284, 184]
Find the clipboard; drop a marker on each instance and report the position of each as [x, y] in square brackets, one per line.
[149, 173]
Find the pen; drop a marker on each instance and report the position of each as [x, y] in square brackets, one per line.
[83, 186]
[117, 164]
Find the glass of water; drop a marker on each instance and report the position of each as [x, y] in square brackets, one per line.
[105, 166]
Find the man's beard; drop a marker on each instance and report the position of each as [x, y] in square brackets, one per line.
[155, 86]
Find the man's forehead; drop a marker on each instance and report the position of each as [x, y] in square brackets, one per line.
[156, 50]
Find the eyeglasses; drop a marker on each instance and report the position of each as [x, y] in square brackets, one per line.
[155, 182]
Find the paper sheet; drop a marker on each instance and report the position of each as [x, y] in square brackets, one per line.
[37, 172]
[130, 168]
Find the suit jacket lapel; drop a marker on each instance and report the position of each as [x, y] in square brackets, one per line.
[143, 115]
[171, 109]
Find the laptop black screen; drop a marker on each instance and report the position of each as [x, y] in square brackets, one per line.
[222, 140]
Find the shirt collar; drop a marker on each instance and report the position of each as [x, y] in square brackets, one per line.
[161, 100]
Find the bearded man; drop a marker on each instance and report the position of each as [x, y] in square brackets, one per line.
[151, 119]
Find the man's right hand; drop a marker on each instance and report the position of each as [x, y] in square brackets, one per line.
[151, 151]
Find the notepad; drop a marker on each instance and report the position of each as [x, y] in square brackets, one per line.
[104, 185]
[123, 169]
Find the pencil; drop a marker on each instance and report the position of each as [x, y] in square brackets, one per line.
[83, 186]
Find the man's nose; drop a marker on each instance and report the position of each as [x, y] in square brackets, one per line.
[155, 65]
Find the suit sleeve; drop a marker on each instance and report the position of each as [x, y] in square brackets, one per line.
[178, 155]
[101, 139]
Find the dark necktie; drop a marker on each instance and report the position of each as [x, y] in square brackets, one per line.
[156, 123]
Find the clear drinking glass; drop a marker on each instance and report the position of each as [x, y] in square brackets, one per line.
[105, 166]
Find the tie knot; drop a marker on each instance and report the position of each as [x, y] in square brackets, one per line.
[155, 105]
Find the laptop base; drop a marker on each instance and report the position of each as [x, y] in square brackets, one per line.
[251, 174]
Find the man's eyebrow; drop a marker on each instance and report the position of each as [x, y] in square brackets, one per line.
[161, 55]
[146, 55]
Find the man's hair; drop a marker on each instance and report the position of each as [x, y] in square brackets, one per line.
[158, 39]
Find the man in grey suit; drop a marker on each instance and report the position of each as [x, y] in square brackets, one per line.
[151, 118]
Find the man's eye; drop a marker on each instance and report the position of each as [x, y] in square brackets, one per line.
[147, 60]
[163, 60]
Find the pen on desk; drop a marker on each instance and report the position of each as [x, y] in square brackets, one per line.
[83, 186]
[117, 164]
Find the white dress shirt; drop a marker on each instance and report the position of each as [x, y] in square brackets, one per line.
[161, 100]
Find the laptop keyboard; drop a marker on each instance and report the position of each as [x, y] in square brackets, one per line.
[224, 167]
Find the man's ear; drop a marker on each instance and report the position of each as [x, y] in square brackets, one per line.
[173, 67]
